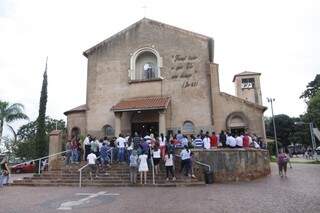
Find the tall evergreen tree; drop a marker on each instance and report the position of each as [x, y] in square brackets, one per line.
[41, 137]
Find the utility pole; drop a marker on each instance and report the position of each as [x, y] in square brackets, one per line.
[271, 100]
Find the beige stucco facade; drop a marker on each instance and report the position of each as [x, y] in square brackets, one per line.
[185, 72]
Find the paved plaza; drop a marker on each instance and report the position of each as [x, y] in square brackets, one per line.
[300, 192]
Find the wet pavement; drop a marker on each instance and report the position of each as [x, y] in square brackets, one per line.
[299, 192]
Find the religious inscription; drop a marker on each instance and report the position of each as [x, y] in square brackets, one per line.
[183, 66]
[189, 84]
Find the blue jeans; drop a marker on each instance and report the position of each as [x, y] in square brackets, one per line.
[74, 155]
[121, 154]
[4, 179]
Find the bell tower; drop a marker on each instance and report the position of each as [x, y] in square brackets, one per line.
[247, 85]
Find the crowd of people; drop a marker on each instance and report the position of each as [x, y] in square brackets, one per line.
[140, 153]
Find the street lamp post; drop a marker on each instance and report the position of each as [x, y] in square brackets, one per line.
[271, 100]
[313, 141]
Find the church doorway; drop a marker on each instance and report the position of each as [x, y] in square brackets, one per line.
[144, 129]
[237, 123]
[145, 122]
[238, 131]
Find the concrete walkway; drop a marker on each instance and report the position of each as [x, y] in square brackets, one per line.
[300, 192]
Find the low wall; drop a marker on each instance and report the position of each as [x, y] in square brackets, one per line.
[233, 164]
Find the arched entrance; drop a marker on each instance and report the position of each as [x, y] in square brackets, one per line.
[75, 132]
[237, 123]
[145, 122]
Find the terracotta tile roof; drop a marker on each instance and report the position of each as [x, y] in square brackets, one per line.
[77, 109]
[145, 103]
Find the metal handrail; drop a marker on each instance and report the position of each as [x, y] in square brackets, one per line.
[198, 162]
[39, 159]
[83, 167]
[203, 164]
[152, 165]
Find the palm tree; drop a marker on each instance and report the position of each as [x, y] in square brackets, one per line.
[9, 113]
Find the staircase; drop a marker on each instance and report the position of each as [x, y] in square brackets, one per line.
[118, 175]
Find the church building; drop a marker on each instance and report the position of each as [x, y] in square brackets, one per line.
[155, 78]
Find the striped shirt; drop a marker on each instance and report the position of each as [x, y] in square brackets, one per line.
[198, 143]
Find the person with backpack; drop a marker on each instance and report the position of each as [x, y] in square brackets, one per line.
[133, 166]
[282, 163]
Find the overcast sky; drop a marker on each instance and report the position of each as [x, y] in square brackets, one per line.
[278, 38]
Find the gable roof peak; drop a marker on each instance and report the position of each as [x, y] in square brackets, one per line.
[144, 20]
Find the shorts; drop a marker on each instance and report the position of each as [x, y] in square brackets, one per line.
[93, 168]
[156, 161]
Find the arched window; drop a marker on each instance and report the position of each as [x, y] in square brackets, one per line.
[108, 131]
[188, 127]
[145, 64]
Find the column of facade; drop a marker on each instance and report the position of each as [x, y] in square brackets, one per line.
[117, 125]
[162, 122]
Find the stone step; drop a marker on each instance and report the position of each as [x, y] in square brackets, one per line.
[149, 184]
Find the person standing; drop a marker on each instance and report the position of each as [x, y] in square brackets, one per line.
[168, 159]
[104, 158]
[246, 141]
[5, 172]
[223, 139]
[87, 146]
[231, 141]
[143, 167]
[282, 163]
[162, 143]
[198, 142]
[68, 154]
[156, 155]
[92, 164]
[133, 167]
[74, 152]
[185, 160]
[214, 140]
[121, 143]
[206, 141]
[239, 141]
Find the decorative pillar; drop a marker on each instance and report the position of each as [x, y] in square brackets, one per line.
[55, 146]
[117, 126]
[162, 122]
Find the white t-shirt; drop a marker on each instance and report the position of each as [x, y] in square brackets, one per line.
[206, 143]
[92, 158]
[86, 141]
[231, 141]
[121, 142]
[239, 141]
[168, 161]
[185, 154]
[162, 142]
[156, 154]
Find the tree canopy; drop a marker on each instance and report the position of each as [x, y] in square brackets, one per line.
[10, 112]
[312, 88]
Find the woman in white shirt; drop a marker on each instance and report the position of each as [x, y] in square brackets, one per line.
[156, 158]
[143, 167]
[168, 159]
